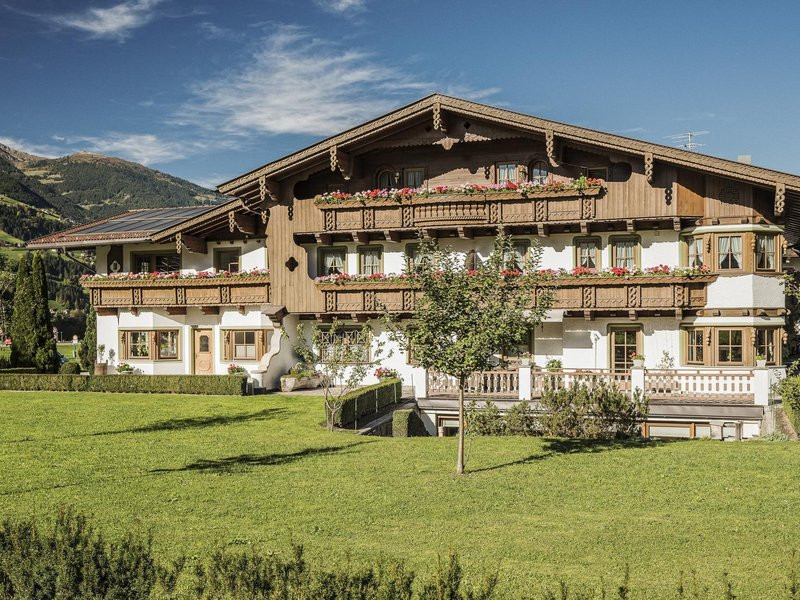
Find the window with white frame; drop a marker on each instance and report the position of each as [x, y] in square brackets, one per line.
[167, 345]
[765, 252]
[506, 172]
[369, 259]
[332, 261]
[623, 253]
[729, 252]
[413, 178]
[696, 250]
[539, 171]
[244, 345]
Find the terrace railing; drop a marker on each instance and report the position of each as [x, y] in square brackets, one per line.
[699, 384]
[502, 383]
[564, 378]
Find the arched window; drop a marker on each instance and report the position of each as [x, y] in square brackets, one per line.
[539, 171]
[385, 180]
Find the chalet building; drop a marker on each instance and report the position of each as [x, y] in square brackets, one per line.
[652, 251]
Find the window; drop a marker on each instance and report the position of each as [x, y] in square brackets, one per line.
[597, 173]
[506, 172]
[167, 345]
[244, 345]
[345, 346]
[385, 180]
[765, 344]
[370, 259]
[729, 252]
[624, 344]
[695, 247]
[539, 171]
[149, 263]
[413, 178]
[472, 262]
[694, 346]
[520, 250]
[227, 260]
[587, 253]
[205, 344]
[135, 344]
[623, 253]
[729, 346]
[413, 258]
[331, 261]
[765, 252]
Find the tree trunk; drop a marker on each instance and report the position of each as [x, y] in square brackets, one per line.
[461, 427]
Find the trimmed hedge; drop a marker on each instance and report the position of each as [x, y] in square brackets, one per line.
[406, 422]
[368, 401]
[71, 367]
[148, 384]
[790, 396]
[16, 370]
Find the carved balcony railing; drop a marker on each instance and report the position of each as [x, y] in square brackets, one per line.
[588, 294]
[498, 383]
[507, 208]
[177, 293]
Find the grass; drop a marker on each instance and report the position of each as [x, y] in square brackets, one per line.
[65, 348]
[207, 472]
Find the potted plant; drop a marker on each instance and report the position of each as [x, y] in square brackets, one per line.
[553, 365]
[638, 360]
[124, 369]
[234, 369]
[525, 359]
[301, 376]
[383, 373]
[761, 361]
[101, 366]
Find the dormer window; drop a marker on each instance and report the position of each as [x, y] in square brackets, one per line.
[539, 172]
[506, 172]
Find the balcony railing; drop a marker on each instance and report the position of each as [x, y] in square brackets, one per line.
[494, 384]
[177, 292]
[640, 293]
[699, 384]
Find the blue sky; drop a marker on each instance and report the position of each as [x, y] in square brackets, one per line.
[207, 90]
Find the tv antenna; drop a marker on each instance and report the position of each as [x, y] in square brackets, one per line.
[686, 140]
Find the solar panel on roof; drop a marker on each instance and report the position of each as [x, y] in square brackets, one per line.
[144, 221]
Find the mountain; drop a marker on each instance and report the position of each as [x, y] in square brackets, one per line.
[39, 195]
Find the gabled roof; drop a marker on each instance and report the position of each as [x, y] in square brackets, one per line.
[141, 225]
[439, 104]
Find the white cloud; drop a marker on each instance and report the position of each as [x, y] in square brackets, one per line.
[143, 148]
[115, 22]
[342, 6]
[297, 84]
[43, 150]
[212, 31]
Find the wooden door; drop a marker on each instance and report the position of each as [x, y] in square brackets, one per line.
[203, 352]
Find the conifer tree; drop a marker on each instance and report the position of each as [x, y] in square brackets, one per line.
[23, 346]
[87, 351]
[46, 357]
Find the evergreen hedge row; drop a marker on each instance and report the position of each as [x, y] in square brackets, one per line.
[368, 401]
[406, 422]
[13, 370]
[152, 384]
[790, 395]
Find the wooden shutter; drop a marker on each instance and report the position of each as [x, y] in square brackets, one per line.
[227, 344]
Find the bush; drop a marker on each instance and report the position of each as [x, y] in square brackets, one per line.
[520, 420]
[70, 367]
[790, 395]
[11, 370]
[406, 422]
[367, 401]
[599, 412]
[153, 384]
[486, 420]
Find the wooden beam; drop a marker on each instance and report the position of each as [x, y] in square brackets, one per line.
[342, 161]
[588, 315]
[361, 237]
[648, 167]
[105, 311]
[323, 238]
[632, 315]
[269, 190]
[393, 236]
[244, 223]
[176, 310]
[676, 223]
[679, 314]
[550, 146]
[194, 244]
[630, 225]
[584, 227]
[209, 310]
[542, 230]
[465, 233]
[429, 234]
[439, 123]
[780, 198]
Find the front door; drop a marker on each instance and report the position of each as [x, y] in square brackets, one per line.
[203, 352]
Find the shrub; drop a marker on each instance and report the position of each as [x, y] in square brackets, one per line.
[175, 384]
[486, 420]
[520, 420]
[11, 370]
[367, 401]
[596, 412]
[790, 395]
[70, 367]
[406, 422]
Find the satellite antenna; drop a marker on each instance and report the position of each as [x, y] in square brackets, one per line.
[686, 140]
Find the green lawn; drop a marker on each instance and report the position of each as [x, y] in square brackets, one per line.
[206, 472]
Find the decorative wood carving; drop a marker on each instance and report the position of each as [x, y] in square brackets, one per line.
[494, 212]
[588, 297]
[550, 146]
[540, 211]
[438, 119]
[408, 300]
[369, 218]
[191, 243]
[780, 198]
[407, 219]
[648, 166]
[342, 161]
[587, 208]
[244, 223]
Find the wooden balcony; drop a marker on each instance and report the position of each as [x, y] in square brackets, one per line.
[176, 294]
[584, 294]
[459, 210]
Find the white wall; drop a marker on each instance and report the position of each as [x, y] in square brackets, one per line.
[742, 291]
[254, 255]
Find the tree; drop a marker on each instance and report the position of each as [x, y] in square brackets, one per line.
[23, 348]
[87, 351]
[343, 358]
[46, 357]
[464, 317]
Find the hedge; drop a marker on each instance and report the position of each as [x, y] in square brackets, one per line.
[790, 396]
[406, 422]
[174, 384]
[16, 370]
[367, 401]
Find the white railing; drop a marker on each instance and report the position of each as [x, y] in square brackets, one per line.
[698, 383]
[564, 378]
[497, 383]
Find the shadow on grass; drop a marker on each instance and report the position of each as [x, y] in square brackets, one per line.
[557, 447]
[246, 462]
[198, 422]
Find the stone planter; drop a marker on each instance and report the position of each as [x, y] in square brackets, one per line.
[289, 384]
[761, 364]
[638, 363]
[101, 369]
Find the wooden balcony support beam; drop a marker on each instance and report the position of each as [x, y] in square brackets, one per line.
[550, 146]
[342, 161]
[361, 237]
[542, 230]
[323, 238]
[192, 243]
[391, 236]
[244, 223]
[209, 310]
[176, 310]
[269, 190]
[105, 311]
[648, 167]
[780, 198]
[464, 233]
[588, 315]
[632, 315]
[630, 225]
[585, 227]
[676, 223]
